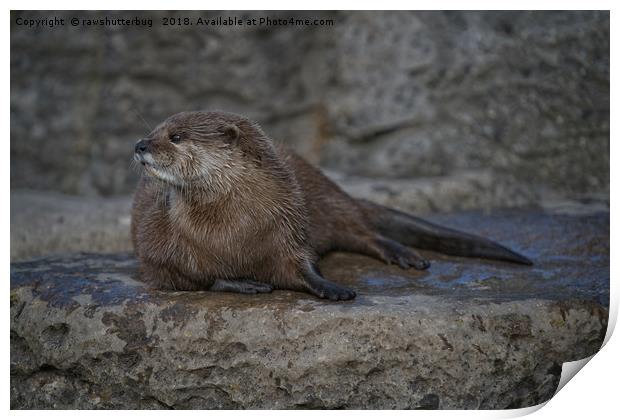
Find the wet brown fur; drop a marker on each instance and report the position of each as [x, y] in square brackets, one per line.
[226, 203]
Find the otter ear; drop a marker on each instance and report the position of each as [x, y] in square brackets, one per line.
[232, 132]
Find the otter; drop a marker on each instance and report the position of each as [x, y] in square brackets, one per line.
[222, 207]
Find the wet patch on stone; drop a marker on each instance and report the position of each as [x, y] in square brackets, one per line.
[570, 254]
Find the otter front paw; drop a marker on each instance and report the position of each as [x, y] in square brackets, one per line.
[333, 291]
[323, 288]
[241, 286]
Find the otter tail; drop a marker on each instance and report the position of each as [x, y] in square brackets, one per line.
[415, 232]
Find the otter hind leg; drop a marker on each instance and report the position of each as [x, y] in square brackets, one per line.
[240, 286]
[384, 249]
[415, 232]
[391, 251]
[323, 288]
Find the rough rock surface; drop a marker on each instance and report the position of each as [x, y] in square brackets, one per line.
[465, 334]
[396, 94]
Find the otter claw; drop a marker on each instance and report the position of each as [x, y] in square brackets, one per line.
[333, 292]
[421, 264]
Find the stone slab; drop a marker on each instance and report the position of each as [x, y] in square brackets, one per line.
[465, 334]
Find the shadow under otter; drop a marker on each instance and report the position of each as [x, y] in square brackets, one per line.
[221, 207]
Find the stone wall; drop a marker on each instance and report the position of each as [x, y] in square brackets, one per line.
[524, 95]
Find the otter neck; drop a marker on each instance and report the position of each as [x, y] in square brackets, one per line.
[252, 196]
[189, 205]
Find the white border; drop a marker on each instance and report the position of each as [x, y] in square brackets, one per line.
[593, 394]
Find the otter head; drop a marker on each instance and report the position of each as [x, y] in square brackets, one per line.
[200, 149]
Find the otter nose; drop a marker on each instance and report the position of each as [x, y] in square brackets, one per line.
[142, 145]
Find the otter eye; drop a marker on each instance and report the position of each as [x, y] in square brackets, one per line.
[175, 138]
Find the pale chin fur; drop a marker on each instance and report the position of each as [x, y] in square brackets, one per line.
[164, 176]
